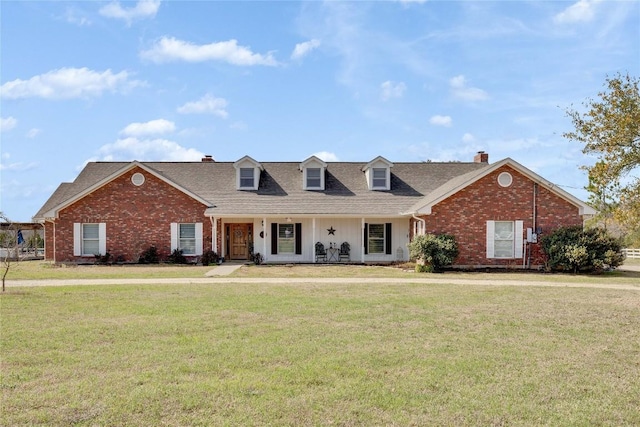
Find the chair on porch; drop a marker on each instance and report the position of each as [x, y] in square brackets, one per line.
[321, 252]
[345, 249]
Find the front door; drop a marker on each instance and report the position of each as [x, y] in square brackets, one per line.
[240, 235]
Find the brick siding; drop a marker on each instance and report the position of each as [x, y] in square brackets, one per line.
[465, 215]
[136, 218]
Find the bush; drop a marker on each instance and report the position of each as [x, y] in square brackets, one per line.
[150, 256]
[103, 259]
[177, 257]
[209, 258]
[434, 251]
[577, 250]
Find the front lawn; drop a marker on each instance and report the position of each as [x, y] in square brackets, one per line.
[317, 354]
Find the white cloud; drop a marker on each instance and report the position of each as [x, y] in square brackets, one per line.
[153, 127]
[149, 150]
[208, 104]
[5, 164]
[67, 83]
[460, 89]
[172, 49]
[76, 17]
[303, 49]
[33, 132]
[468, 138]
[390, 90]
[581, 11]
[326, 156]
[6, 124]
[142, 9]
[439, 120]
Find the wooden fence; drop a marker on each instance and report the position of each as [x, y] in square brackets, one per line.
[632, 253]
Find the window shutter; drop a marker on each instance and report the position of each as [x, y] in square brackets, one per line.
[174, 236]
[198, 238]
[491, 230]
[518, 240]
[387, 238]
[102, 238]
[366, 238]
[77, 239]
[298, 232]
[274, 238]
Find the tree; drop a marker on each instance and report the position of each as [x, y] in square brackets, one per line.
[610, 130]
[9, 244]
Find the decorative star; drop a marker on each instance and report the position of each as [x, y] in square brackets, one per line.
[331, 230]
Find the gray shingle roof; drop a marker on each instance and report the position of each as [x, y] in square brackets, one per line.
[281, 188]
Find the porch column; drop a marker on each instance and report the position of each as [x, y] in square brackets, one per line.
[214, 234]
[264, 239]
[362, 240]
[313, 238]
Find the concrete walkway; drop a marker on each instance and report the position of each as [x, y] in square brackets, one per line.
[223, 270]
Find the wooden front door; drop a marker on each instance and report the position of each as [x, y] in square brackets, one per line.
[240, 235]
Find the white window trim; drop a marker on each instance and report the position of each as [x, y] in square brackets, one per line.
[518, 240]
[247, 187]
[306, 179]
[175, 238]
[77, 239]
[384, 239]
[387, 174]
[292, 238]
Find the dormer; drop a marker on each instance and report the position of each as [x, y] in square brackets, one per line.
[247, 173]
[313, 170]
[378, 173]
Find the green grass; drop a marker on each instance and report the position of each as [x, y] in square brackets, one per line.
[305, 355]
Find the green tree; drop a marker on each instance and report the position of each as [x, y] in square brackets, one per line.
[610, 130]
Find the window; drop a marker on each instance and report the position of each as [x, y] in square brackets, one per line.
[379, 178]
[286, 239]
[504, 239]
[246, 178]
[313, 178]
[376, 238]
[187, 238]
[89, 239]
[505, 179]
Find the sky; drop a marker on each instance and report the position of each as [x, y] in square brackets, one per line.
[280, 81]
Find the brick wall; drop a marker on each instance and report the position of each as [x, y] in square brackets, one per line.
[466, 213]
[136, 218]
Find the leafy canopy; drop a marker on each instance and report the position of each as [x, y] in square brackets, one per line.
[610, 130]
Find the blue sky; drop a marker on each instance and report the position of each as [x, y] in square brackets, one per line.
[280, 81]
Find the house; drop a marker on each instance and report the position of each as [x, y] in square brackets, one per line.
[282, 209]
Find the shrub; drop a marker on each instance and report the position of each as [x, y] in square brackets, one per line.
[177, 257]
[578, 250]
[434, 251]
[209, 258]
[103, 259]
[150, 256]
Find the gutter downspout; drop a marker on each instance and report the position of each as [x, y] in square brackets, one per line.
[423, 228]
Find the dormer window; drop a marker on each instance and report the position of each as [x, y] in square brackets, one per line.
[379, 178]
[313, 178]
[246, 178]
[247, 173]
[378, 174]
[313, 170]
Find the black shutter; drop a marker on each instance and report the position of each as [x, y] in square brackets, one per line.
[387, 238]
[274, 238]
[298, 233]
[366, 238]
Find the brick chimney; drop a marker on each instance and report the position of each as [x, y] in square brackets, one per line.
[208, 158]
[481, 157]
